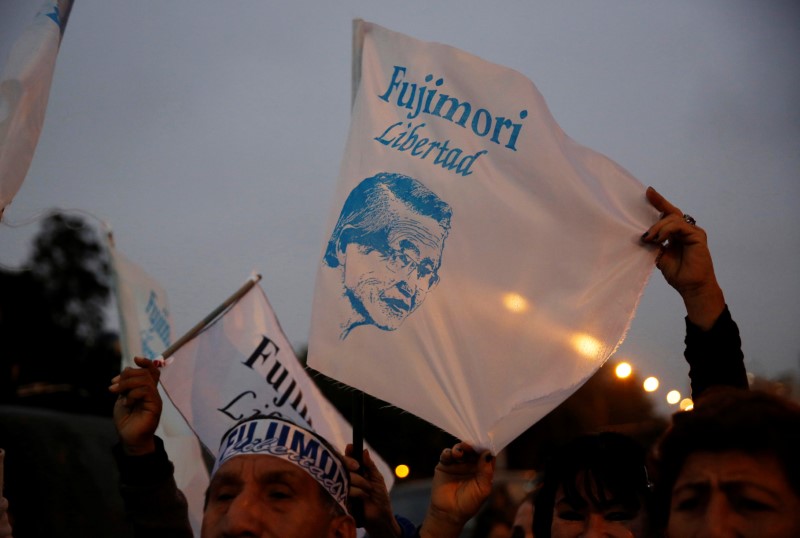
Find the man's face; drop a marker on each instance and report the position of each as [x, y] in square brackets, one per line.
[573, 518]
[733, 494]
[387, 282]
[266, 497]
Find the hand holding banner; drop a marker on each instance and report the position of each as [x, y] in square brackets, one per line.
[146, 329]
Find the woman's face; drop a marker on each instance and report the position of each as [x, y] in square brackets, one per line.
[575, 516]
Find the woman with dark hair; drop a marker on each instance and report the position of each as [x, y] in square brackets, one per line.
[596, 485]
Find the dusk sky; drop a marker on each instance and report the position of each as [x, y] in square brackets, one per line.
[208, 135]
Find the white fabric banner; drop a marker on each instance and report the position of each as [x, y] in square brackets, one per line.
[29, 41]
[480, 264]
[242, 365]
[146, 331]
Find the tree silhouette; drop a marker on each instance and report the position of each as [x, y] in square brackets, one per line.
[55, 352]
[72, 268]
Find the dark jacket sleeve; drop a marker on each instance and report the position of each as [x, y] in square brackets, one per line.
[153, 503]
[715, 356]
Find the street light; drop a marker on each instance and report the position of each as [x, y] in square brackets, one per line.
[673, 397]
[650, 384]
[623, 370]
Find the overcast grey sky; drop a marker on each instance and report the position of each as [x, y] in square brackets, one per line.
[209, 134]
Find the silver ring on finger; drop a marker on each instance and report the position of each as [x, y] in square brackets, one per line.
[689, 219]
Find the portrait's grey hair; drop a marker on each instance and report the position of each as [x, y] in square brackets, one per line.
[366, 217]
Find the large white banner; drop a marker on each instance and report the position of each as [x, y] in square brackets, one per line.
[30, 34]
[480, 265]
[241, 366]
[146, 331]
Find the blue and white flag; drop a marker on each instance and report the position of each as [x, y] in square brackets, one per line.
[242, 366]
[30, 35]
[479, 265]
[146, 330]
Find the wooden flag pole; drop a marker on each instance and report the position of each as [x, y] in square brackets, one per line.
[252, 281]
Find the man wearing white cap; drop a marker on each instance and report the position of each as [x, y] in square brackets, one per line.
[272, 478]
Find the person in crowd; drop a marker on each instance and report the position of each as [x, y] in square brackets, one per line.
[730, 467]
[261, 486]
[263, 483]
[596, 485]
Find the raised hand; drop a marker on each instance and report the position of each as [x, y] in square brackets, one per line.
[462, 481]
[138, 406]
[685, 261]
[369, 487]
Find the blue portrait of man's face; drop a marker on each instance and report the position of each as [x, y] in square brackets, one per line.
[388, 245]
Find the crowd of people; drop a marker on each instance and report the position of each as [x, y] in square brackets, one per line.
[728, 467]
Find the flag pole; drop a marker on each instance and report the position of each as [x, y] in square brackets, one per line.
[252, 281]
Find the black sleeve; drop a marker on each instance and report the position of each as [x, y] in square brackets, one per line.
[153, 503]
[715, 356]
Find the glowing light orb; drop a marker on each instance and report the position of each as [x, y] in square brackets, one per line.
[515, 302]
[587, 345]
[623, 370]
[650, 384]
[401, 471]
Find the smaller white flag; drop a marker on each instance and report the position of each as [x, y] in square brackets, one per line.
[146, 331]
[28, 49]
[241, 366]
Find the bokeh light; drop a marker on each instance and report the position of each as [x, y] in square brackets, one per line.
[401, 471]
[673, 397]
[515, 302]
[686, 404]
[650, 384]
[586, 345]
[623, 370]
